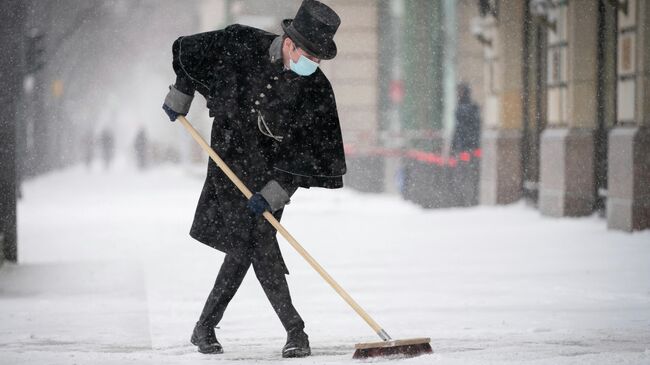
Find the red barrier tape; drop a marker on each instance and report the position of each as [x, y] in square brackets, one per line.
[417, 155]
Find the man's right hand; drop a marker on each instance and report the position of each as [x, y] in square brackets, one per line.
[258, 205]
[176, 103]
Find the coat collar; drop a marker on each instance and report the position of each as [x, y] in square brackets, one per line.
[275, 50]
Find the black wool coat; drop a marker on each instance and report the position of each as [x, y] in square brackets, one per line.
[269, 124]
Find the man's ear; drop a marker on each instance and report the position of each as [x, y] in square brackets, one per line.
[292, 45]
[287, 42]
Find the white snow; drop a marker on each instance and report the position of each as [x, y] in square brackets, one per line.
[109, 275]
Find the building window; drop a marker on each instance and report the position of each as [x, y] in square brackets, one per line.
[557, 64]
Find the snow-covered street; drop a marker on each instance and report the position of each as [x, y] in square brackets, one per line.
[109, 274]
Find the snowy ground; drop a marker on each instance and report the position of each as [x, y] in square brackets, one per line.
[108, 274]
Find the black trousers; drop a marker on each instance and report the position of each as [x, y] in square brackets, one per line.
[270, 273]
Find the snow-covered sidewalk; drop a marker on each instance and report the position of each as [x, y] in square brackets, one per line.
[108, 274]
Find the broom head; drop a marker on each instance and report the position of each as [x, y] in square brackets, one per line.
[399, 348]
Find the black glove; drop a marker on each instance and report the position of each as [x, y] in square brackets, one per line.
[176, 103]
[258, 205]
[272, 197]
[170, 113]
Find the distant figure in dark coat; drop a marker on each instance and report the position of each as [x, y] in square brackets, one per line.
[277, 127]
[466, 140]
[467, 135]
[140, 146]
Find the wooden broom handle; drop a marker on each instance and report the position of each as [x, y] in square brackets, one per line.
[274, 222]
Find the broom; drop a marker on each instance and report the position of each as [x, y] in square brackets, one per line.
[387, 347]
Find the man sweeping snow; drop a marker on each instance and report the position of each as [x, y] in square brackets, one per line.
[276, 125]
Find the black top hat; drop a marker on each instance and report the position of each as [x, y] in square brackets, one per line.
[313, 29]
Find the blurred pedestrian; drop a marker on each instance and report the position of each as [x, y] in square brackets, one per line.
[88, 146]
[107, 143]
[465, 142]
[276, 125]
[140, 145]
[467, 135]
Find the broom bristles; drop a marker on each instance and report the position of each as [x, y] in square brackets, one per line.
[389, 349]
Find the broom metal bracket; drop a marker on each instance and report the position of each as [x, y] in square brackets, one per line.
[384, 336]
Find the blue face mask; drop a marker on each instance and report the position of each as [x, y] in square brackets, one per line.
[304, 66]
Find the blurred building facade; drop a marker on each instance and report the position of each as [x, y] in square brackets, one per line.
[562, 87]
[568, 129]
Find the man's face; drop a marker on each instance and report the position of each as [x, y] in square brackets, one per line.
[295, 52]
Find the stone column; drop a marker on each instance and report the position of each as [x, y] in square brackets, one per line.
[628, 201]
[355, 80]
[567, 186]
[501, 138]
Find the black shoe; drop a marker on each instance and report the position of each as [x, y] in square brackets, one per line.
[297, 344]
[206, 340]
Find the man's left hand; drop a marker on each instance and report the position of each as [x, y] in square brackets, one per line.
[176, 103]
